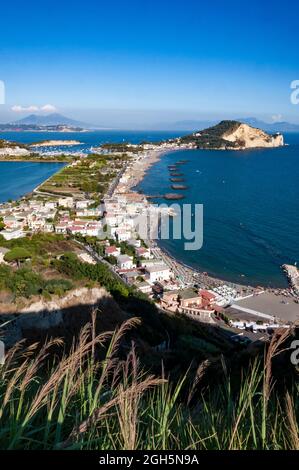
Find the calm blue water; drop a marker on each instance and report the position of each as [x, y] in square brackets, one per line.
[19, 178]
[90, 139]
[251, 210]
[251, 200]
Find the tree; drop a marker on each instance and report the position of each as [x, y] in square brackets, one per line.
[2, 224]
[17, 254]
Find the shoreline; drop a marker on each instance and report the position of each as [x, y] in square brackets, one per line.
[137, 172]
[143, 166]
[31, 160]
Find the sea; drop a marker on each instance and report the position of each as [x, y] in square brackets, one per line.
[250, 200]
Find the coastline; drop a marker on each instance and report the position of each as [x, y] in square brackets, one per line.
[140, 169]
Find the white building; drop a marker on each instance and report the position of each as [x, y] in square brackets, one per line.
[123, 234]
[84, 203]
[66, 202]
[143, 253]
[158, 273]
[125, 262]
[12, 234]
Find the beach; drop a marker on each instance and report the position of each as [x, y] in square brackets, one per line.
[190, 275]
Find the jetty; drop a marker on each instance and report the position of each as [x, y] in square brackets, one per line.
[292, 273]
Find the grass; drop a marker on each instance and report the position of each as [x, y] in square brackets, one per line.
[92, 398]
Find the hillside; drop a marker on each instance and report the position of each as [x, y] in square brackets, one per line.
[14, 149]
[232, 135]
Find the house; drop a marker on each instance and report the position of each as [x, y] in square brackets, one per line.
[122, 234]
[144, 253]
[151, 262]
[144, 287]
[189, 297]
[86, 257]
[112, 251]
[110, 219]
[134, 242]
[207, 297]
[131, 275]
[11, 222]
[125, 262]
[51, 205]
[170, 300]
[160, 272]
[66, 202]
[93, 229]
[84, 203]
[11, 234]
[61, 227]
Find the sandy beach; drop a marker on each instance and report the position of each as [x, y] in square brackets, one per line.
[188, 274]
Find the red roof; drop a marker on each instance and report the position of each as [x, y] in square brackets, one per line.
[207, 295]
[111, 249]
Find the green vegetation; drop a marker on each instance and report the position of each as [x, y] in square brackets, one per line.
[2, 224]
[89, 399]
[10, 144]
[70, 265]
[91, 174]
[212, 138]
[25, 283]
[17, 254]
[35, 254]
[122, 147]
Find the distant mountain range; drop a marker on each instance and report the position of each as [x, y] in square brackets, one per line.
[35, 121]
[192, 125]
[53, 119]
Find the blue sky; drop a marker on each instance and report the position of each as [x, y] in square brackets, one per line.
[143, 62]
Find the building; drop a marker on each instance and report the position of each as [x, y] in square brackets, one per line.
[66, 202]
[207, 296]
[136, 243]
[156, 273]
[144, 287]
[125, 262]
[144, 253]
[122, 234]
[130, 276]
[112, 251]
[84, 203]
[12, 234]
[86, 257]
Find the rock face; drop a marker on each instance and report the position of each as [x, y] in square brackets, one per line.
[42, 316]
[246, 136]
[232, 135]
[13, 152]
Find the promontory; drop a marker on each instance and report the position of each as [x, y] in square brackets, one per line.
[232, 135]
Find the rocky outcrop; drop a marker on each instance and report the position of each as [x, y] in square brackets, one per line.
[232, 135]
[42, 317]
[246, 136]
[13, 152]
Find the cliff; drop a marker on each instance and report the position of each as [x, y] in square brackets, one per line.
[8, 148]
[232, 135]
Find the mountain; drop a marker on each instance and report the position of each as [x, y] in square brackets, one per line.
[53, 119]
[233, 135]
[280, 126]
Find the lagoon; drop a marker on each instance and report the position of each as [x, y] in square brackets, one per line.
[20, 178]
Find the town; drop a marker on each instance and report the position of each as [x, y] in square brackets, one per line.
[92, 201]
